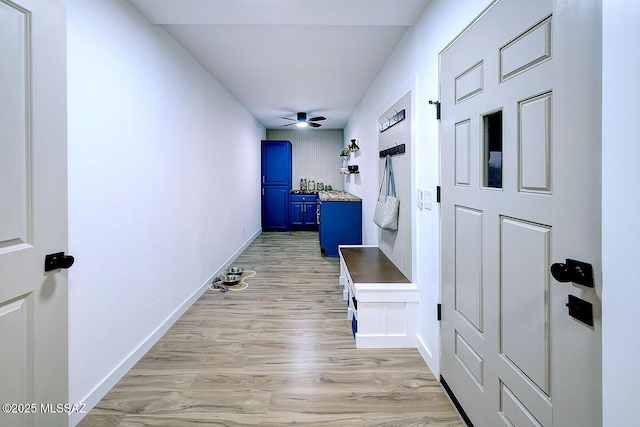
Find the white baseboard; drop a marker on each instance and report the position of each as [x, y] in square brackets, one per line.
[429, 359]
[92, 399]
[385, 341]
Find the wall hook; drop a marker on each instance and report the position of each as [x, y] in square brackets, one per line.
[397, 149]
[437, 104]
[391, 121]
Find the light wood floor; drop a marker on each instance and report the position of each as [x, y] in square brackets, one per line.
[280, 352]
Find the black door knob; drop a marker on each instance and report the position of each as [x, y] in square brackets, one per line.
[560, 272]
[58, 260]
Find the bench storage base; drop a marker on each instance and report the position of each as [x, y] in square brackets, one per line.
[382, 302]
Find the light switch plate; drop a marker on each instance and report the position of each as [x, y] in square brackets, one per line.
[427, 199]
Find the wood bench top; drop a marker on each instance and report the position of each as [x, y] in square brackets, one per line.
[371, 265]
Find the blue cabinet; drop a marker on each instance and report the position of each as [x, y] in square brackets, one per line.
[276, 163]
[275, 206]
[276, 183]
[302, 210]
[340, 224]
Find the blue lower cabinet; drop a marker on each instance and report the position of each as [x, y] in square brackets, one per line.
[309, 214]
[295, 213]
[302, 211]
[275, 208]
[340, 224]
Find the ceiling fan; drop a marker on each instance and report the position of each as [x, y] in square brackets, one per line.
[302, 121]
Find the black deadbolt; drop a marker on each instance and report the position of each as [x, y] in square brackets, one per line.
[573, 271]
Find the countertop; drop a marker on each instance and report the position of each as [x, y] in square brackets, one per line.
[337, 196]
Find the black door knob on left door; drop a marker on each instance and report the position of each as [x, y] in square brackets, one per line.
[58, 260]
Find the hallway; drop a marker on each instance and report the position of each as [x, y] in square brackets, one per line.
[277, 353]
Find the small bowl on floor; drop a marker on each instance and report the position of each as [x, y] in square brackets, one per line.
[235, 270]
[231, 279]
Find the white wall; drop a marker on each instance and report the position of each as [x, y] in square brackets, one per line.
[413, 66]
[397, 245]
[620, 204]
[156, 146]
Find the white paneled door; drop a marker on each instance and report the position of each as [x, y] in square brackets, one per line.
[33, 213]
[520, 147]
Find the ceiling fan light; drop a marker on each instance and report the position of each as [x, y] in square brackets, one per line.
[302, 124]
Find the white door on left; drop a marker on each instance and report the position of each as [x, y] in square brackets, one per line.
[33, 213]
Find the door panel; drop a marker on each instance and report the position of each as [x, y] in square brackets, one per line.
[527, 50]
[33, 209]
[468, 274]
[15, 324]
[524, 289]
[514, 411]
[514, 91]
[534, 144]
[470, 82]
[471, 360]
[16, 145]
[463, 153]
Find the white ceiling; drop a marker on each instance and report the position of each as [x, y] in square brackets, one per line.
[278, 57]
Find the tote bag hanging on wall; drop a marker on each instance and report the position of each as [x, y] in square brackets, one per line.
[387, 207]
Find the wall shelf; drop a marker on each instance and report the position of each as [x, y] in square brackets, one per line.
[351, 148]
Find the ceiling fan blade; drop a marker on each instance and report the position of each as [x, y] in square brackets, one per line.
[288, 118]
[314, 125]
[316, 119]
[290, 124]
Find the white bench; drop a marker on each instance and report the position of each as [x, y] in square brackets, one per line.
[383, 303]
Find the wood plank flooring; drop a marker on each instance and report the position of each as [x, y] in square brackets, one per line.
[279, 353]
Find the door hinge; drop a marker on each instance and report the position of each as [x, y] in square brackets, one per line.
[437, 104]
[439, 310]
[438, 194]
